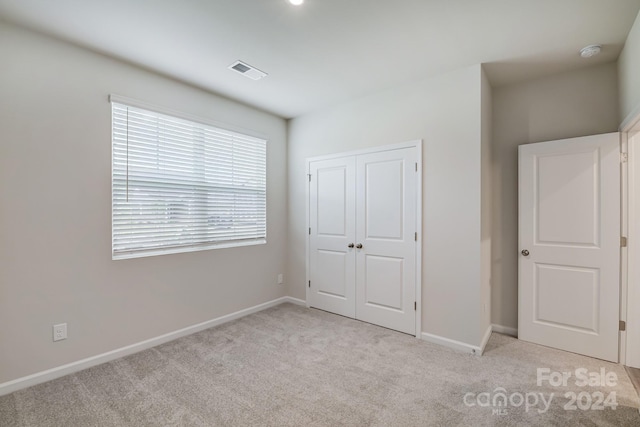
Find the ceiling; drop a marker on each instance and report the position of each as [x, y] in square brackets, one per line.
[326, 52]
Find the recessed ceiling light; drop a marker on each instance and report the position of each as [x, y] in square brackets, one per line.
[591, 50]
[296, 2]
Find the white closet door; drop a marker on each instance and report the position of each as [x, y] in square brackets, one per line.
[332, 196]
[569, 269]
[386, 227]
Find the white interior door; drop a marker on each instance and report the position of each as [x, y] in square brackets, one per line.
[569, 236]
[363, 220]
[386, 226]
[332, 210]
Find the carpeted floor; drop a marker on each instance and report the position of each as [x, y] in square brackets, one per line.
[292, 366]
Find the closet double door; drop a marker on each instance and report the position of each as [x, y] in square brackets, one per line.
[363, 237]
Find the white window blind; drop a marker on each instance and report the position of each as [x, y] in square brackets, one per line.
[179, 185]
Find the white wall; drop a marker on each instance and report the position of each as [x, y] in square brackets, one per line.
[487, 201]
[629, 73]
[572, 104]
[55, 212]
[445, 112]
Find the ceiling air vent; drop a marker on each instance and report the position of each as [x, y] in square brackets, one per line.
[247, 70]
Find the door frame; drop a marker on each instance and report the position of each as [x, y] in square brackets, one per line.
[417, 144]
[630, 273]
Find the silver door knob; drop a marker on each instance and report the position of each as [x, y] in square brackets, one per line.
[359, 246]
[350, 245]
[525, 252]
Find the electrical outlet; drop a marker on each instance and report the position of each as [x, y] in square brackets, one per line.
[280, 279]
[60, 332]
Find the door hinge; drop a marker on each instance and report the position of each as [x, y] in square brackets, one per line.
[309, 231]
[309, 175]
[624, 157]
[309, 283]
[416, 166]
[623, 325]
[415, 306]
[416, 236]
[623, 242]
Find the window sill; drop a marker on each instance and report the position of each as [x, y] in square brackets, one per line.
[178, 250]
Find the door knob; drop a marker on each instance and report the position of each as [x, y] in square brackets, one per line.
[350, 245]
[525, 252]
[359, 246]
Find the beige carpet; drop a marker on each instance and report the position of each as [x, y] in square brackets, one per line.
[292, 366]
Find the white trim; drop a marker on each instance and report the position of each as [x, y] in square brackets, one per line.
[307, 235]
[296, 301]
[182, 115]
[378, 149]
[625, 210]
[507, 330]
[630, 348]
[456, 345]
[630, 274]
[459, 345]
[485, 339]
[418, 225]
[178, 250]
[60, 371]
[417, 144]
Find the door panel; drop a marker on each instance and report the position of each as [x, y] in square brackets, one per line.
[569, 222]
[386, 225]
[568, 214]
[555, 285]
[384, 200]
[332, 193]
[383, 276]
[332, 221]
[333, 278]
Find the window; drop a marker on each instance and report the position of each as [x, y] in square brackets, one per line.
[180, 185]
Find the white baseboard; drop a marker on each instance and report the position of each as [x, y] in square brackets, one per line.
[447, 342]
[485, 339]
[505, 330]
[296, 301]
[458, 345]
[60, 371]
